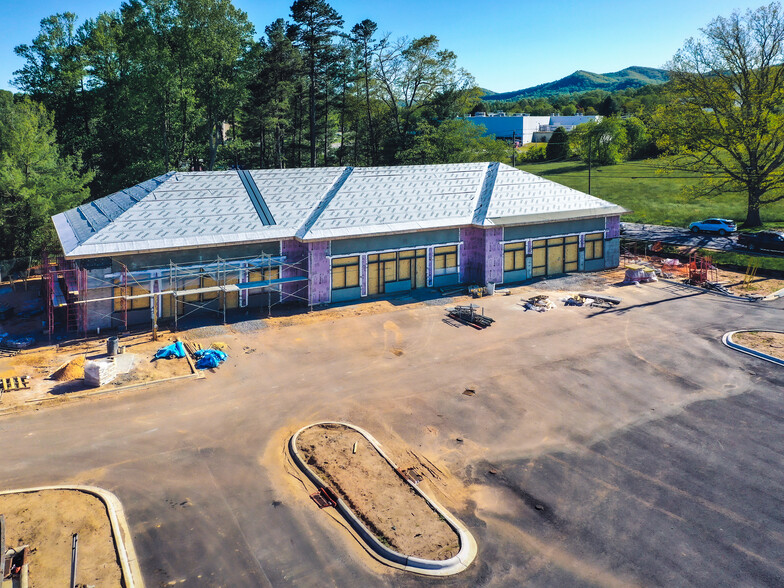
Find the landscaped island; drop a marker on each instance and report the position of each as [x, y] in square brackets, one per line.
[390, 508]
[768, 342]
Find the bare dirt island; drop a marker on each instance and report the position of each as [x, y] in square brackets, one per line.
[387, 504]
[46, 521]
[762, 341]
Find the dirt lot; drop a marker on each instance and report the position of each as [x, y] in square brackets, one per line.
[762, 286]
[602, 447]
[734, 281]
[372, 489]
[55, 372]
[764, 341]
[46, 521]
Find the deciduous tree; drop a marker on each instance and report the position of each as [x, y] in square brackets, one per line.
[728, 121]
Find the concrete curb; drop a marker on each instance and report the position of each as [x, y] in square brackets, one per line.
[429, 567]
[89, 393]
[727, 340]
[129, 563]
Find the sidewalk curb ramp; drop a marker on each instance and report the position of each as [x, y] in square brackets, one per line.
[428, 567]
[727, 340]
[121, 533]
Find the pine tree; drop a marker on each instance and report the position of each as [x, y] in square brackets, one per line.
[316, 24]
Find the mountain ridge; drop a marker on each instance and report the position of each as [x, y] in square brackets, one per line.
[584, 81]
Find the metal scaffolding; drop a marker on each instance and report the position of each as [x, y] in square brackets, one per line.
[64, 284]
[226, 277]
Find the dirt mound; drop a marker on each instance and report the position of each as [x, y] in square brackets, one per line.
[73, 370]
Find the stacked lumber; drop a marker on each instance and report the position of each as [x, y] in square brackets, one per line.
[191, 347]
[468, 315]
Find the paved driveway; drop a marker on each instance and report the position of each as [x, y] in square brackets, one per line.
[680, 236]
[602, 448]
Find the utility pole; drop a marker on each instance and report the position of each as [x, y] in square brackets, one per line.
[514, 150]
[590, 143]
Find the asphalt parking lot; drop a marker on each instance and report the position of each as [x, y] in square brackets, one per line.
[623, 447]
[684, 237]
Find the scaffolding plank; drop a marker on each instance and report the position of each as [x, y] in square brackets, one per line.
[265, 283]
[192, 291]
[58, 298]
[184, 271]
[70, 282]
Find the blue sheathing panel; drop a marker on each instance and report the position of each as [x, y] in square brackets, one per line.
[612, 253]
[447, 280]
[400, 241]
[346, 294]
[515, 276]
[400, 286]
[586, 225]
[594, 265]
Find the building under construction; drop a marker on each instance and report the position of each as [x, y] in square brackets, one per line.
[215, 242]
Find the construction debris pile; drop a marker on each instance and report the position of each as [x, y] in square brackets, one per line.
[17, 342]
[638, 273]
[205, 358]
[698, 271]
[468, 315]
[175, 350]
[209, 358]
[540, 303]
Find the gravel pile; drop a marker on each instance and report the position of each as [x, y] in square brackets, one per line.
[573, 282]
[208, 332]
[249, 326]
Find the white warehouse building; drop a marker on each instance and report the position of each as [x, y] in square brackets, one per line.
[527, 128]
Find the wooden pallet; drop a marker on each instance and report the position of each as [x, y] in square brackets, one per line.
[14, 383]
[8, 351]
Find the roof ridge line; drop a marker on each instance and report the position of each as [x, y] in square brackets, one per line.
[324, 202]
[485, 193]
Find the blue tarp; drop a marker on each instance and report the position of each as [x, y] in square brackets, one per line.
[174, 350]
[209, 358]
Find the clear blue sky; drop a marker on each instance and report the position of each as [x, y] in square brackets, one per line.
[510, 46]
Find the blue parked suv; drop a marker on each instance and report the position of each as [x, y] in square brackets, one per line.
[721, 226]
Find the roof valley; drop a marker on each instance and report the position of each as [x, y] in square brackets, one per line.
[485, 192]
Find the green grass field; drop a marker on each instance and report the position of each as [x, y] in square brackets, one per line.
[652, 198]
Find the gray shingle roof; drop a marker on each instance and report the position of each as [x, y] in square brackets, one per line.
[181, 210]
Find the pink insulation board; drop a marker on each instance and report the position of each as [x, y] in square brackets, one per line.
[319, 272]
